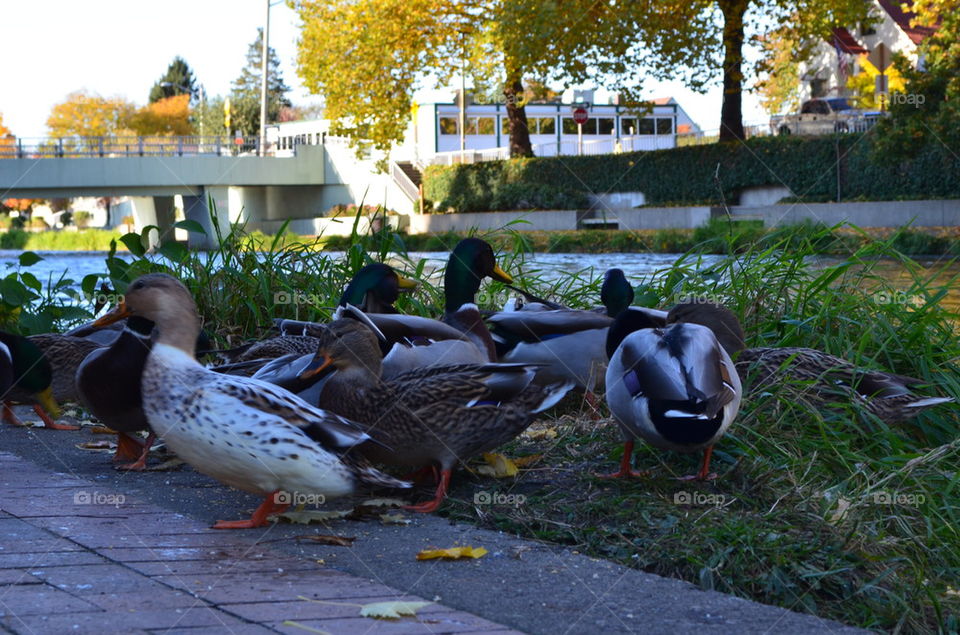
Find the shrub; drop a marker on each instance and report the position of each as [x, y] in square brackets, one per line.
[698, 175]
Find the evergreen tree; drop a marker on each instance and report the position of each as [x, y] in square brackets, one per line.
[245, 98]
[178, 80]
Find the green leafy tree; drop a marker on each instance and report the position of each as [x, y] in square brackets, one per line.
[706, 35]
[245, 96]
[927, 112]
[395, 47]
[178, 80]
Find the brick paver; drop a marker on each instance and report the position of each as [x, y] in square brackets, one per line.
[76, 558]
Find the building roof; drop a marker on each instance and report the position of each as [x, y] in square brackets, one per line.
[843, 40]
[916, 33]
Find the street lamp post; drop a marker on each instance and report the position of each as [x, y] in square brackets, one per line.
[263, 82]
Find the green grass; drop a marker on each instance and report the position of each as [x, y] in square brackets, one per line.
[800, 521]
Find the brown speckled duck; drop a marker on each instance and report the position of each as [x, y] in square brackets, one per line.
[429, 417]
[246, 433]
[818, 377]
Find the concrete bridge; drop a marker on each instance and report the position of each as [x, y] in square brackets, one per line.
[261, 191]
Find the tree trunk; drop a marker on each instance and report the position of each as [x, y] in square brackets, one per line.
[517, 115]
[731, 113]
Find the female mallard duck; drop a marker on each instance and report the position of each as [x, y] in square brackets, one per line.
[31, 379]
[432, 416]
[66, 353]
[248, 434]
[816, 376]
[674, 386]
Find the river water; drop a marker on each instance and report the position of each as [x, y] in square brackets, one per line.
[548, 266]
[77, 264]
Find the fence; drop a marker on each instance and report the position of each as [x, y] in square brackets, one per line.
[73, 147]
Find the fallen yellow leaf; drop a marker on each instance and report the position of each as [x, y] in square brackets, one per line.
[541, 433]
[453, 553]
[499, 466]
[391, 610]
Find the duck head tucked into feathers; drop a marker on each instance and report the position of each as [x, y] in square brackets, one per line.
[719, 319]
[471, 261]
[163, 300]
[375, 288]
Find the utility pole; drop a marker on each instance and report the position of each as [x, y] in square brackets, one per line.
[263, 82]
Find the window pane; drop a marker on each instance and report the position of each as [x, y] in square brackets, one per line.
[646, 126]
[628, 125]
[569, 126]
[505, 126]
[664, 126]
[605, 125]
[548, 125]
[486, 126]
[448, 125]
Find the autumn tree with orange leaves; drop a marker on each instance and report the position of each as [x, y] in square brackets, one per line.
[170, 116]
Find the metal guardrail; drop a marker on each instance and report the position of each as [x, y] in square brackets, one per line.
[74, 147]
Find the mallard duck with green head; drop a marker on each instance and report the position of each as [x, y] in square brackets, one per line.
[429, 417]
[460, 335]
[31, 380]
[375, 288]
[246, 433]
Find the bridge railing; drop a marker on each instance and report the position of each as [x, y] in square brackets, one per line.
[168, 146]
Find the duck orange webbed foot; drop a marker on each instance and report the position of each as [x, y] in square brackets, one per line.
[625, 470]
[10, 417]
[50, 423]
[267, 508]
[432, 505]
[140, 454]
[704, 474]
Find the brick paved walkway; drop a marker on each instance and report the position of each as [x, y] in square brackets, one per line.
[74, 561]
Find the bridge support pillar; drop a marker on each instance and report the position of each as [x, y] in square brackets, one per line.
[154, 210]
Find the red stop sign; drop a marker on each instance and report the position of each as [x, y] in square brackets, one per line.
[580, 115]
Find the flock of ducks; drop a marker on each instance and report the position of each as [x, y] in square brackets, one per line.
[320, 409]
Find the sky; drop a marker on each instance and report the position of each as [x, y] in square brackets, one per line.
[121, 47]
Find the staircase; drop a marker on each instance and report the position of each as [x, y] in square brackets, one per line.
[408, 178]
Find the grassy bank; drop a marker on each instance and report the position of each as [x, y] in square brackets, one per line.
[83, 240]
[716, 237]
[832, 513]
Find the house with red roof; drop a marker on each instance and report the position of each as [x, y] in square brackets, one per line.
[844, 54]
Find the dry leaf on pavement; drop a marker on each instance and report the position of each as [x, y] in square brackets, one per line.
[453, 553]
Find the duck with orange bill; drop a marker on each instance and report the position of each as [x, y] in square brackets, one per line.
[246, 433]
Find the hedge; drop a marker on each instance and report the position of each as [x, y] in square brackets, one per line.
[688, 175]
